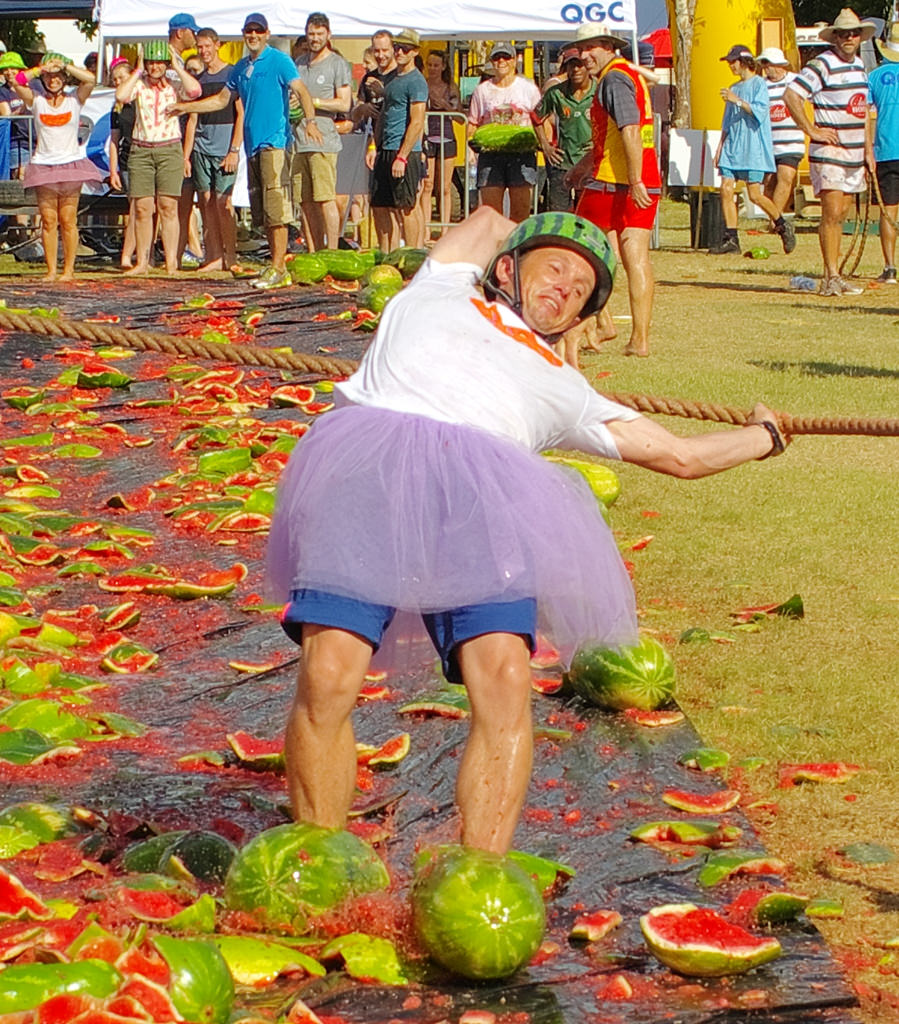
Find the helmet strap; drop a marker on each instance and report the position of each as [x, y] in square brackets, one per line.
[513, 301]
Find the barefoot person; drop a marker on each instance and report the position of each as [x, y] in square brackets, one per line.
[59, 165]
[408, 497]
[622, 189]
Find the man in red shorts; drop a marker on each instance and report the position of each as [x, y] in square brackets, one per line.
[622, 186]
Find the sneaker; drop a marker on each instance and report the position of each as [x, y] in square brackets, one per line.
[190, 260]
[888, 276]
[837, 286]
[788, 236]
[272, 278]
[726, 245]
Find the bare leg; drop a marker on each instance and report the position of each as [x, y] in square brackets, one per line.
[315, 225]
[212, 235]
[640, 287]
[185, 212]
[168, 229]
[383, 218]
[496, 765]
[728, 203]
[227, 223]
[144, 209]
[47, 204]
[319, 747]
[426, 196]
[492, 196]
[830, 229]
[128, 241]
[783, 187]
[754, 191]
[277, 243]
[413, 226]
[68, 223]
[331, 218]
[521, 199]
[888, 234]
[446, 193]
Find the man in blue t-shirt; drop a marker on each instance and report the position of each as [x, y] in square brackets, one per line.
[882, 145]
[395, 162]
[263, 81]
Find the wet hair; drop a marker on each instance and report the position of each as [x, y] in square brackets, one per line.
[208, 33]
[318, 20]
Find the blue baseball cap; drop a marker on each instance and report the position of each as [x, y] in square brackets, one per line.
[256, 19]
[183, 21]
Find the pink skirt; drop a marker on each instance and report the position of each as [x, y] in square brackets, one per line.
[76, 172]
[423, 516]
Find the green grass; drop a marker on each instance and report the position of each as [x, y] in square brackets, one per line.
[821, 521]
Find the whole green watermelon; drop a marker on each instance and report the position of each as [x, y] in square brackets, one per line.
[639, 675]
[291, 872]
[476, 913]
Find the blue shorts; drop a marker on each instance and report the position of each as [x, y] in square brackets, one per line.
[446, 629]
[751, 176]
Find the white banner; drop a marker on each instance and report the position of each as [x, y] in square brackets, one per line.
[462, 19]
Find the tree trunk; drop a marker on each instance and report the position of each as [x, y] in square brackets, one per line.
[680, 17]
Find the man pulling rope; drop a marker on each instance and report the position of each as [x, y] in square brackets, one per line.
[424, 492]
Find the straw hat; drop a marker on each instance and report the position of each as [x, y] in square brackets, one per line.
[889, 47]
[847, 19]
[591, 34]
[407, 37]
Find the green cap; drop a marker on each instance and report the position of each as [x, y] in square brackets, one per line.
[157, 49]
[11, 59]
[565, 231]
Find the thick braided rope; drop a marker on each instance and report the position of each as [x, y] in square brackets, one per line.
[174, 344]
[255, 355]
[882, 427]
[858, 234]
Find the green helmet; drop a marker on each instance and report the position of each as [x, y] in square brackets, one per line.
[11, 59]
[157, 49]
[565, 231]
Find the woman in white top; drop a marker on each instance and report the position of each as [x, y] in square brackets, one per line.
[59, 165]
[507, 98]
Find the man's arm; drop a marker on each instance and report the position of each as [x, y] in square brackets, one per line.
[795, 103]
[413, 133]
[207, 105]
[339, 103]
[633, 154]
[304, 98]
[229, 163]
[870, 132]
[476, 240]
[646, 443]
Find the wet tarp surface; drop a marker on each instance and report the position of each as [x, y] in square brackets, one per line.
[596, 777]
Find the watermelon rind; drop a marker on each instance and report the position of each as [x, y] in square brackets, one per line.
[200, 983]
[717, 948]
[637, 675]
[290, 873]
[476, 913]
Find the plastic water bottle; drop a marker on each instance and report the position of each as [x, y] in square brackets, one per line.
[801, 283]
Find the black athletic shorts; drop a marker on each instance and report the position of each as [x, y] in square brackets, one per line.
[395, 193]
[789, 160]
[888, 180]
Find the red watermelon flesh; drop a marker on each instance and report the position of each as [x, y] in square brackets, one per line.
[16, 900]
[832, 771]
[702, 803]
[697, 941]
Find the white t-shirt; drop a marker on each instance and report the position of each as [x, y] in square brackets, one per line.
[511, 104]
[443, 351]
[56, 129]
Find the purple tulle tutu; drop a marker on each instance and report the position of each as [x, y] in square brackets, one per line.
[76, 172]
[423, 516]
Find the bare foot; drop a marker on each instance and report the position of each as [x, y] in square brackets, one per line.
[137, 271]
[49, 278]
[636, 350]
[126, 266]
[212, 265]
[67, 278]
[172, 271]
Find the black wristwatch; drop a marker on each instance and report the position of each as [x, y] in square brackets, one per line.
[777, 441]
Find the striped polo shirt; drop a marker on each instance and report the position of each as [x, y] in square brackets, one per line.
[839, 95]
[787, 136]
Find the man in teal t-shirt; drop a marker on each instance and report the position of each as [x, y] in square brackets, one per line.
[396, 162]
[569, 104]
[882, 145]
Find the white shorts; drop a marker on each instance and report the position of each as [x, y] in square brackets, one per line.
[835, 178]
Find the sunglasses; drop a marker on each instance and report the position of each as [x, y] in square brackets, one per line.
[402, 48]
[254, 30]
[847, 33]
[503, 56]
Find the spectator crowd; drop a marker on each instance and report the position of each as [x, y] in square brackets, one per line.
[182, 117]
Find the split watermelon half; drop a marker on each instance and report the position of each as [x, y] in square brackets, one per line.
[291, 872]
[476, 913]
[697, 941]
[638, 675]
